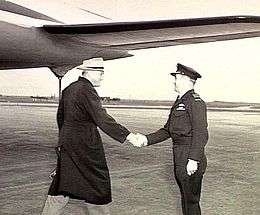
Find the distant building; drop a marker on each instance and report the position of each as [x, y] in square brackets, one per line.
[53, 96]
[39, 98]
[115, 99]
[105, 99]
[108, 99]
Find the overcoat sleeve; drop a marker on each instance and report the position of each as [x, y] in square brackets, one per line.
[101, 118]
[60, 114]
[160, 135]
[198, 115]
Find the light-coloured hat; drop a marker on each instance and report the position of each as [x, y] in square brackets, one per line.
[93, 63]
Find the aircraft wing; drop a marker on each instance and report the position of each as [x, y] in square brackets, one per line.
[152, 34]
[62, 47]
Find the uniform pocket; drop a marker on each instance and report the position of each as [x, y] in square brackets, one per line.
[179, 113]
[180, 123]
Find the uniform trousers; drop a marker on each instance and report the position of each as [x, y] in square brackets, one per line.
[190, 189]
[55, 205]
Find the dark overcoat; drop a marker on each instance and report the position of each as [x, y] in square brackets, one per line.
[187, 127]
[82, 171]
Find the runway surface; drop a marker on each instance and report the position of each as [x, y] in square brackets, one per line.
[142, 179]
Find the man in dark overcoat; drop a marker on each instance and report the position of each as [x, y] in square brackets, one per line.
[187, 127]
[82, 171]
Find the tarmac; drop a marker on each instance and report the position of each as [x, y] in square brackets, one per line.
[142, 179]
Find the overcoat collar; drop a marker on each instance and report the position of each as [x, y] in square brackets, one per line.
[85, 80]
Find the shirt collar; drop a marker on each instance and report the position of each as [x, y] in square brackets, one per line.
[189, 92]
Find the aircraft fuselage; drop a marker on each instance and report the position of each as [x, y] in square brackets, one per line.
[22, 47]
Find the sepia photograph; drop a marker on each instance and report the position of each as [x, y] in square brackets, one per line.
[129, 107]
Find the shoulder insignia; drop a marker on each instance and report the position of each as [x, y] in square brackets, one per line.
[181, 106]
[196, 96]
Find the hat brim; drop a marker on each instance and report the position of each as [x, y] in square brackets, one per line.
[175, 73]
[90, 68]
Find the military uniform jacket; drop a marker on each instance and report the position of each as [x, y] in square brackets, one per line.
[82, 171]
[187, 126]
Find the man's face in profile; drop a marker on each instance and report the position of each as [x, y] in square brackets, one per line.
[96, 76]
[177, 82]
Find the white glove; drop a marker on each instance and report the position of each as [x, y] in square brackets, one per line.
[137, 140]
[192, 167]
[132, 138]
[142, 139]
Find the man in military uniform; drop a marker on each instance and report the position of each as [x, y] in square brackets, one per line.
[187, 126]
[82, 171]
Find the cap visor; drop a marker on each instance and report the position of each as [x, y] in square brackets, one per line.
[174, 73]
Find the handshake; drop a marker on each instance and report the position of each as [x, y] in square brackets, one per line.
[137, 140]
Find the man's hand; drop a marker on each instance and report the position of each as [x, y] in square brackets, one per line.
[142, 139]
[137, 140]
[192, 167]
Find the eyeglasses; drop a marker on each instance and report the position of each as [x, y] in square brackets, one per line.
[101, 71]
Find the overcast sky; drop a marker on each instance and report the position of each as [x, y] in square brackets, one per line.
[230, 70]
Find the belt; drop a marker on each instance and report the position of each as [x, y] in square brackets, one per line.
[181, 140]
